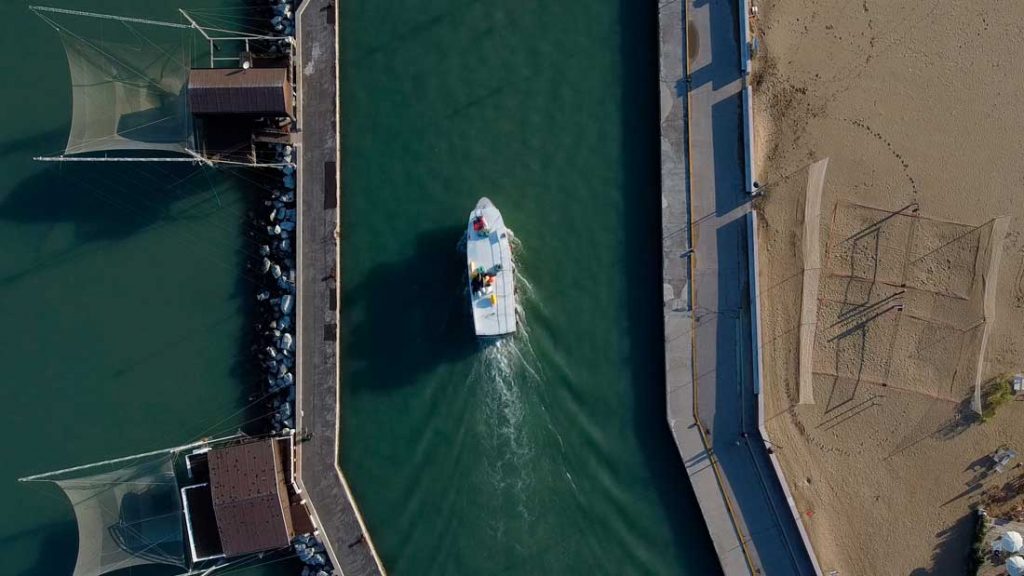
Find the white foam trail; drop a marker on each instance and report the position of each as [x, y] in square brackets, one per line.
[504, 386]
[509, 378]
[505, 374]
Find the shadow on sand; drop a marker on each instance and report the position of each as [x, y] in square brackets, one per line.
[950, 555]
[393, 337]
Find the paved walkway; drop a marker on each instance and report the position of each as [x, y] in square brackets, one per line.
[678, 317]
[317, 374]
[743, 503]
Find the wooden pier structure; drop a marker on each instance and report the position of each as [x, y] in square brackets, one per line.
[318, 374]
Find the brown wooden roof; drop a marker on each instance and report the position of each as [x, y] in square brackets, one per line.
[249, 498]
[262, 91]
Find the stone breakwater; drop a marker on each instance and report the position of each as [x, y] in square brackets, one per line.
[275, 229]
[313, 554]
[283, 20]
[276, 344]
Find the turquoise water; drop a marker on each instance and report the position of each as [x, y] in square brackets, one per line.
[549, 454]
[125, 296]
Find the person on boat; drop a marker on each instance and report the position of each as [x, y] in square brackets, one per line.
[480, 225]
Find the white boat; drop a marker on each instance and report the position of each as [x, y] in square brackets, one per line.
[491, 274]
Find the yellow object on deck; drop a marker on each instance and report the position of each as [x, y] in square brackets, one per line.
[494, 299]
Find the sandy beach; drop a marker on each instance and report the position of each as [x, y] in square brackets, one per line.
[921, 293]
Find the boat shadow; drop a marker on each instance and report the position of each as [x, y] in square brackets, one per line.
[408, 316]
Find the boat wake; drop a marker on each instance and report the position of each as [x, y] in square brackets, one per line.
[507, 383]
[513, 418]
[506, 374]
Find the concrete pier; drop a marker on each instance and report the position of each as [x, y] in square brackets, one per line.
[318, 376]
[712, 384]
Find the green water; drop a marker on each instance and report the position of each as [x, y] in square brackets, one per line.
[125, 299]
[550, 454]
[123, 296]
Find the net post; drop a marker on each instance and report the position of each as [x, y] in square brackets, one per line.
[182, 448]
[195, 24]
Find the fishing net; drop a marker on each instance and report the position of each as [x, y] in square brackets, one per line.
[128, 516]
[129, 80]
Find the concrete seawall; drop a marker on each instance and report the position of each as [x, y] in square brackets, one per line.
[712, 341]
[755, 298]
[701, 467]
[339, 524]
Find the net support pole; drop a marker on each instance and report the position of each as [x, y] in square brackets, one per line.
[183, 447]
[197, 160]
[195, 24]
[38, 9]
[233, 34]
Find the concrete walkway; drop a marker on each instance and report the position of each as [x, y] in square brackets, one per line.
[700, 469]
[742, 501]
[317, 373]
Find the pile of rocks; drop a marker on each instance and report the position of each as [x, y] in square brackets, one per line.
[277, 297]
[312, 553]
[284, 18]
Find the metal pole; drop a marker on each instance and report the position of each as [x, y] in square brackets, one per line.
[181, 448]
[107, 159]
[240, 35]
[106, 16]
[194, 24]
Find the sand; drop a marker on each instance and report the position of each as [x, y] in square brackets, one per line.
[921, 295]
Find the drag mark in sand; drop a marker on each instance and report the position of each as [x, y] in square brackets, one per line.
[892, 150]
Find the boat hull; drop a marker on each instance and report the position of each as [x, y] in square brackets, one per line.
[490, 272]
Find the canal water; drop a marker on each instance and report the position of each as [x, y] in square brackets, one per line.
[125, 298]
[548, 454]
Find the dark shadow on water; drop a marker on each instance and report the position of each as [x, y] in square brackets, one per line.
[691, 543]
[246, 368]
[105, 200]
[409, 316]
[57, 550]
[32, 145]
